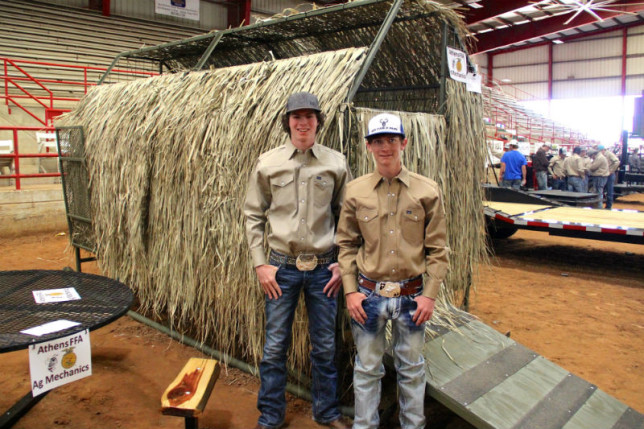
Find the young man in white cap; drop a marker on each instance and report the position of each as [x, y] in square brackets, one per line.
[297, 188]
[391, 231]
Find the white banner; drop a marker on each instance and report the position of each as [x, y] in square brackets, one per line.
[457, 62]
[61, 361]
[188, 9]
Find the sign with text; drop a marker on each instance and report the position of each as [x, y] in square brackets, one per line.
[188, 9]
[60, 361]
[457, 63]
[55, 295]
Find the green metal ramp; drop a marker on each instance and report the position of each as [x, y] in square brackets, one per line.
[492, 381]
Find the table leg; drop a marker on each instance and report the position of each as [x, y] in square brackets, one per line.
[13, 414]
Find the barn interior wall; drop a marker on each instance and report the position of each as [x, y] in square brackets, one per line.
[582, 68]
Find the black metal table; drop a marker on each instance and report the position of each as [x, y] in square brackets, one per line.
[102, 301]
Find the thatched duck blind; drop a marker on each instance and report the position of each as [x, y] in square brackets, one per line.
[168, 157]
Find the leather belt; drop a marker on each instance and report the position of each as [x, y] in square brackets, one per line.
[304, 261]
[392, 289]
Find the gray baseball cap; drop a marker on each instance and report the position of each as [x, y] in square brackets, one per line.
[302, 100]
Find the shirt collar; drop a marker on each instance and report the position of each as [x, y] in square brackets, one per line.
[403, 177]
[292, 150]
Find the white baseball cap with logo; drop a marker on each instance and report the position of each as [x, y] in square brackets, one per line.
[385, 123]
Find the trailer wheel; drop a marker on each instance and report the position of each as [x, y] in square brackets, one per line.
[498, 230]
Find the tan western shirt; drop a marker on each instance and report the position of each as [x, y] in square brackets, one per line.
[599, 166]
[613, 161]
[556, 167]
[300, 195]
[574, 166]
[393, 231]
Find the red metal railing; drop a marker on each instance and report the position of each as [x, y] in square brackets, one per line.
[16, 155]
[13, 75]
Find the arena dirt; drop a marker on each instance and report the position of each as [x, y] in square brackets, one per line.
[577, 302]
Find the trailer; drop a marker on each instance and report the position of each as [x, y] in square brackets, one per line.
[507, 211]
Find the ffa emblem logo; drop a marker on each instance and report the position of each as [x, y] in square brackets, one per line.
[383, 122]
[69, 358]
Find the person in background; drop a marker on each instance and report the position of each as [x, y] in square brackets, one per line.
[575, 171]
[513, 168]
[540, 166]
[557, 171]
[613, 166]
[297, 189]
[587, 161]
[392, 231]
[634, 162]
[598, 172]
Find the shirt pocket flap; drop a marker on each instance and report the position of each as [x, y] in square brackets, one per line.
[322, 181]
[282, 180]
[366, 214]
[413, 214]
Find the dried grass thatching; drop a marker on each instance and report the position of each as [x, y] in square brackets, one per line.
[169, 158]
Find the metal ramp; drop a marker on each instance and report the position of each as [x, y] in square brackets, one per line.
[492, 381]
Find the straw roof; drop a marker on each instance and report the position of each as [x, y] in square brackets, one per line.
[408, 62]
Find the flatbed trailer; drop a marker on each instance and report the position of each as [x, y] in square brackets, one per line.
[519, 210]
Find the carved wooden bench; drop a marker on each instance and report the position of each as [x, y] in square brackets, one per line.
[188, 394]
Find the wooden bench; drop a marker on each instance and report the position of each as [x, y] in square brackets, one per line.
[188, 394]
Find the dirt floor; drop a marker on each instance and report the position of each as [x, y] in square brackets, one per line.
[579, 303]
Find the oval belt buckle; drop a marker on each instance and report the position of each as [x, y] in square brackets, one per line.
[306, 262]
[390, 289]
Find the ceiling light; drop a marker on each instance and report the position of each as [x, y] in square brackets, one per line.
[557, 41]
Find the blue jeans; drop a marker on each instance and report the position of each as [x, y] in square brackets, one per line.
[610, 190]
[559, 184]
[575, 184]
[598, 183]
[321, 310]
[408, 341]
[542, 180]
[511, 183]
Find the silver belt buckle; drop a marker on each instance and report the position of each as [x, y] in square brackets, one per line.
[306, 262]
[389, 289]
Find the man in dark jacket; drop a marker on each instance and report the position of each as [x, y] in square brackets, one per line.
[540, 166]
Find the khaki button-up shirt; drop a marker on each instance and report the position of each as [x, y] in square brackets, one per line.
[574, 166]
[556, 167]
[392, 231]
[300, 195]
[613, 161]
[598, 166]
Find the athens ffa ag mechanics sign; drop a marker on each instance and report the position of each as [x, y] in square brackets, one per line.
[59, 362]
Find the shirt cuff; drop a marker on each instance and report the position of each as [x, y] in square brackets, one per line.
[258, 254]
[349, 283]
[431, 288]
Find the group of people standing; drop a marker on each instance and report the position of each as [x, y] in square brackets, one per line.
[375, 237]
[584, 171]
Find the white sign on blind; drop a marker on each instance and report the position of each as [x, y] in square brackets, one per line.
[61, 361]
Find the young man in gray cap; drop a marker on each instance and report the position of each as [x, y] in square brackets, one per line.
[297, 188]
[391, 231]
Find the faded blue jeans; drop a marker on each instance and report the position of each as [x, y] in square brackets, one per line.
[322, 310]
[598, 183]
[575, 184]
[408, 341]
[542, 180]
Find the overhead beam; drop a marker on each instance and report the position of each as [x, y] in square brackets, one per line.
[492, 8]
[579, 35]
[518, 33]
